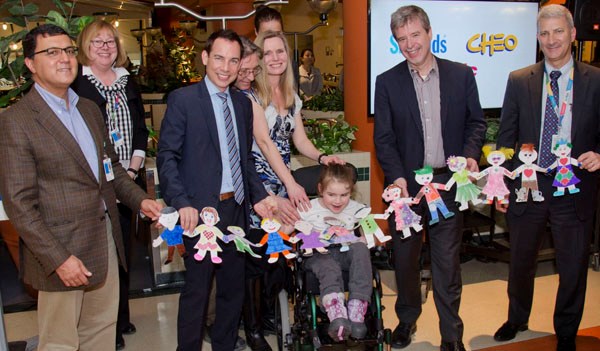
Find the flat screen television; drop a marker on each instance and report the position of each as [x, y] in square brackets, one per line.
[493, 37]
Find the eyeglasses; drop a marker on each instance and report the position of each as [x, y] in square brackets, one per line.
[71, 51]
[100, 43]
[246, 71]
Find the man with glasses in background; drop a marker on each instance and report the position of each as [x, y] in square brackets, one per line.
[60, 182]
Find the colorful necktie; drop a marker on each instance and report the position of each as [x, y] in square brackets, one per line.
[234, 156]
[550, 123]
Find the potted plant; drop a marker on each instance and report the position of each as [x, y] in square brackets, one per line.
[331, 135]
[15, 78]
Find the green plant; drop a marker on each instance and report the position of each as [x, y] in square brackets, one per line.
[168, 65]
[331, 135]
[331, 99]
[21, 15]
[491, 133]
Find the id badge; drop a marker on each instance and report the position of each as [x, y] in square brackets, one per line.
[116, 137]
[108, 170]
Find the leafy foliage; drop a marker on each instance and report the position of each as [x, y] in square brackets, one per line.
[491, 134]
[331, 99]
[168, 65]
[331, 135]
[12, 62]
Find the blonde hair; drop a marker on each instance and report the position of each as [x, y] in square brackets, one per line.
[286, 81]
[84, 40]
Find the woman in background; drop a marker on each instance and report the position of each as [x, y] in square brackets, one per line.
[103, 79]
[311, 81]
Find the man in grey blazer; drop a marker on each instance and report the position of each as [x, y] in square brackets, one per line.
[426, 109]
[53, 151]
[527, 112]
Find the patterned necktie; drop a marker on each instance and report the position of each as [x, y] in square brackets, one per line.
[550, 123]
[234, 156]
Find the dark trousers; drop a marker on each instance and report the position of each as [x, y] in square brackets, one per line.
[229, 276]
[445, 240]
[125, 214]
[571, 236]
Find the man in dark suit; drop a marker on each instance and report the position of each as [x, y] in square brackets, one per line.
[426, 109]
[527, 116]
[196, 170]
[60, 183]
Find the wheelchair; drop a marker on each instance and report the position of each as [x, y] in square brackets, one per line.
[308, 328]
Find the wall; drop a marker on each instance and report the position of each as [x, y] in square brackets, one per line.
[298, 17]
[355, 90]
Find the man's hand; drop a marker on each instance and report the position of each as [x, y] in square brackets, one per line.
[151, 208]
[401, 182]
[73, 273]
[266, 207]
[188, 218]
[589, 161]
[472, 165]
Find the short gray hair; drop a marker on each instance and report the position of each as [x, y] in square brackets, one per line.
[249, 48]
[407, 13]
[555, 11]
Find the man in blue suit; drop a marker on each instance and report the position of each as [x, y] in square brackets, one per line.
[530, 107]
[204, 160]
[426, 109]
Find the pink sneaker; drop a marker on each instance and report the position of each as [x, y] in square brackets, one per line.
[216, 259]
[356, 313]
[339, 326]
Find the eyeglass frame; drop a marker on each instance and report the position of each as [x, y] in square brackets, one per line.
[72, 47]
[95, 43]
[246, 71]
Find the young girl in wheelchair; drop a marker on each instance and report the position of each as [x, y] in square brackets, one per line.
[335, 187]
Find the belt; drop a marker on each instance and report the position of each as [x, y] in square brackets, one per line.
[226, 196]
[441, 170]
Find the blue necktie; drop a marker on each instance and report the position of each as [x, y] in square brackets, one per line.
[234, 156]
[550, 123]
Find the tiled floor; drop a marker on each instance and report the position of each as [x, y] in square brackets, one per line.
[483, 310]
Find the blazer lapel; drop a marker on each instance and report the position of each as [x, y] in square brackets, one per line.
[405, 81]
[535, 97]
[581, 83]
[48, 119]
[240, 123]
[206, 109]
[445, 81]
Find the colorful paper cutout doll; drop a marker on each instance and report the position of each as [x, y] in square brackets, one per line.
[172, 234]
[424, 176]
[369, 227]
[337, 233]
[495, 186]
[565, 177]
[274, 240]
[208, 233]
[311, 239]
[528, 172]
[405, 217]
[465, 190]
[241, 243]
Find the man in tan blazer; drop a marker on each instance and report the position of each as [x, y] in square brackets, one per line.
[54, 151]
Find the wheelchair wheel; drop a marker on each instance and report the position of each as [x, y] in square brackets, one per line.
[282, 318]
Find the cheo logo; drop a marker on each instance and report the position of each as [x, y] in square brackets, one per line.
[482, 43]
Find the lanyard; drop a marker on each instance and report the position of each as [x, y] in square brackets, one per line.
[111, 112]
[563, 107]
